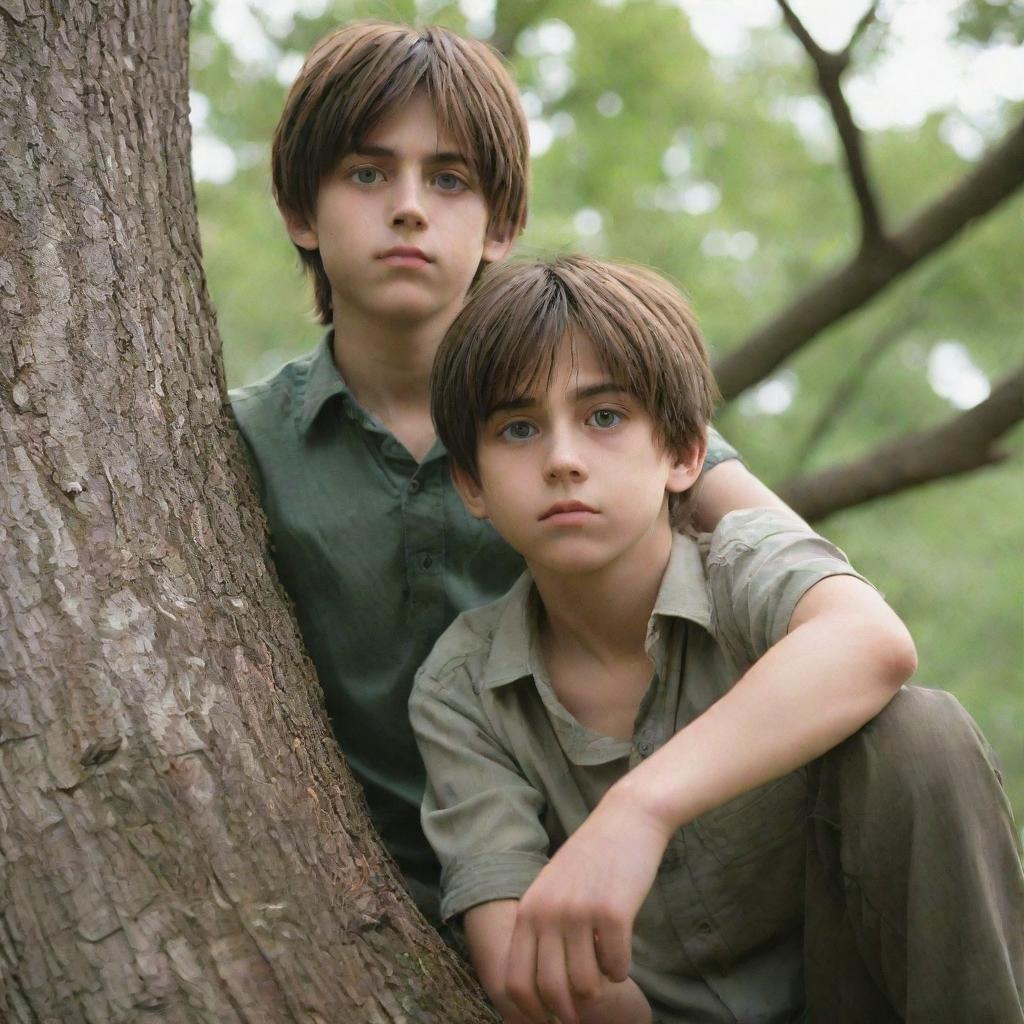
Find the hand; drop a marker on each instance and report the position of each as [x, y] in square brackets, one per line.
[622, 1002]
[619, 1003]
[575, 923]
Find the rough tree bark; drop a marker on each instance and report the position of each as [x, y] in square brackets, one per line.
[179, 838]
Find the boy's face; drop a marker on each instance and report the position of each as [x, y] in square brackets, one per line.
[401, 224]
[573, 476]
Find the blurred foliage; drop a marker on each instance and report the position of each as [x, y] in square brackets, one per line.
[992, 21]
[724, 174]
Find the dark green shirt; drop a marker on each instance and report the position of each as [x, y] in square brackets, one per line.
[379, 556]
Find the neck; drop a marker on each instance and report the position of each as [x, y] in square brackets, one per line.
[605, 613]
[386, 365]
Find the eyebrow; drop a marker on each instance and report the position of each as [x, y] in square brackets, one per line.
[604, 387]
[442, 157]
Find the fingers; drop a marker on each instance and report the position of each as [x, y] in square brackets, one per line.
[553, 978]
[548, 975]
[581, 960]
[510, 1012]
[612, 947]
[521, 974]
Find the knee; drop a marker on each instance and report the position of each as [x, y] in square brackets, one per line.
[923, 751]
[926, 737]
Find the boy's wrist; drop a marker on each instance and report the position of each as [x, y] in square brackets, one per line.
[632, 797]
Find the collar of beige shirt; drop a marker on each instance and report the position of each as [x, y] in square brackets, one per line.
[683, 594]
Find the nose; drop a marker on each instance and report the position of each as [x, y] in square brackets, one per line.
[409, 210]
[564, 459]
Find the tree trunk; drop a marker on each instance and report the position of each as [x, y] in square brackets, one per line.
[179, 838]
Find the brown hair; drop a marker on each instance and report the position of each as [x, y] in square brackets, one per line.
[507, 338]
[354, 77]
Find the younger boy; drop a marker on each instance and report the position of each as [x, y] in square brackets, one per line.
[400, 167]
[643, 742]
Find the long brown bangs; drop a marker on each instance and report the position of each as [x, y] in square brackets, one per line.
[503, 346]
[361, 84]
[355, 77]
[570, 301]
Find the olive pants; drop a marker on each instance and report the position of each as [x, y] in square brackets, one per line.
[915, 891]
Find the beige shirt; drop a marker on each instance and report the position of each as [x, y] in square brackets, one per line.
[511, 773]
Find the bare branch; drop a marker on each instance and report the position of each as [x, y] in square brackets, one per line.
[850, 384]
[829, 68]
[799, 29]
[866, 20]
[998, 175]
[961, 444]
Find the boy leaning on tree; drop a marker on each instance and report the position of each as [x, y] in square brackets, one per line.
[400, 168]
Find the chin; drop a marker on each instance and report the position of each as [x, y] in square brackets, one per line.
[572, 563]
[413, 296]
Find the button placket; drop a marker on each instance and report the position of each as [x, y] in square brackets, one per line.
[425, 545]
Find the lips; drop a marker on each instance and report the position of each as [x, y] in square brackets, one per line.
[567, 509]
[405, 254]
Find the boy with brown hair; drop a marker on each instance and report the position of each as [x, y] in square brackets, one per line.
[651, 784]
[400, 168]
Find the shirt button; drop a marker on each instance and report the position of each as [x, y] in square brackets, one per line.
[427, 561]
[645, 747]
[414, 486]
[704, 928]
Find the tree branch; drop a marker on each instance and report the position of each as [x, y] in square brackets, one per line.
[998, 175]
[961, 444]
[867, 19]
[829, 68]
[847, 388]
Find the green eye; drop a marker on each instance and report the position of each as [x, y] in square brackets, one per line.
[605, 418]
[366, 175]
[520, 430]
[448, 182]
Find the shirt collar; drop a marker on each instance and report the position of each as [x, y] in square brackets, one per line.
[683, 594]
[323, 382]
[511, 654]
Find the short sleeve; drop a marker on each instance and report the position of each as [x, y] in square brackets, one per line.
[719, 450]
[480, 815]
[760, 563]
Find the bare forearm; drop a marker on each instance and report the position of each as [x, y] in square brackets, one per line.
[828, 677]
[730, 486]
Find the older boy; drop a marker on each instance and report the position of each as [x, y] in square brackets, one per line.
[400, 166]
[615, 749]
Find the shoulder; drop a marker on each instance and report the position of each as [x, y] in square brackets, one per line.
[765, 530]
[263, 406]
[460, 656]
[759, 563]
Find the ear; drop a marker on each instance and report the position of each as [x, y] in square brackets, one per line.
[687, 466]
[497, 244]
[470, 492]
[300, 230]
